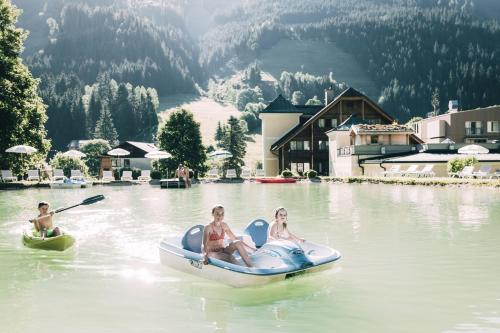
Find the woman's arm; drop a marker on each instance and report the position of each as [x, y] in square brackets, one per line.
[295, 238]
[272, 232]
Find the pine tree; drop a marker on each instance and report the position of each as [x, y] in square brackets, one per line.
[104, 128]
[234, 142]
[22, 111]
[219, 134]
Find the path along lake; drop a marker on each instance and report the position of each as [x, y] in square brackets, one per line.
[415, 259]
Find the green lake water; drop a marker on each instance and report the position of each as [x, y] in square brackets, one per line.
[415, 259]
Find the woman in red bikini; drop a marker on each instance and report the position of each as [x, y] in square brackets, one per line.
[213, 240]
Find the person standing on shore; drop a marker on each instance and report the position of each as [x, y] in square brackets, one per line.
[187, 179]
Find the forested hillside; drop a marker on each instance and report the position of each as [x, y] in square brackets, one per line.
[409, 49]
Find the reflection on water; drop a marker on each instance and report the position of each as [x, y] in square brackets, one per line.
[409, 253]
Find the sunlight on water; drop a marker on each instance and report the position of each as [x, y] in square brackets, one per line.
[415, 259]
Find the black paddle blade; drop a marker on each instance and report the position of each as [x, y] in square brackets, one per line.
[91, 200]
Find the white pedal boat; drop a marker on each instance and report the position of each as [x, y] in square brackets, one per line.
[70, 183]
[273, 261]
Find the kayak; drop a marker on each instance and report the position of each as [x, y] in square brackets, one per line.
[275, 180]
[273, 261]
[57, 243]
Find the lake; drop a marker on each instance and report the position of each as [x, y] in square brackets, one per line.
[415, 259]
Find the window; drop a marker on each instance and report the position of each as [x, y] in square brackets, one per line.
[374, 121]
[321, 123]
[299, 145]
[374, 139]
[493, 127]
[323, 145]
[473, 127]
[306, 145]
[334, 122]
[126, 163]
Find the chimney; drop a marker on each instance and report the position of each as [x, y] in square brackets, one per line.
[328, 95]
[453, 106]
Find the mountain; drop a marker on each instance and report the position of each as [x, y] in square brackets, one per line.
[399, 51]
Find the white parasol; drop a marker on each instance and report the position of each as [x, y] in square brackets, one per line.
[74, 154]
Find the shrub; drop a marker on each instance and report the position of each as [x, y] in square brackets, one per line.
[311, 174]
[286, 173]
[457, 164]
[155, 174]
[67, 164]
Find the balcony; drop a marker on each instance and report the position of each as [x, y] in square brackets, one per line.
[474, 131]
[375, 150]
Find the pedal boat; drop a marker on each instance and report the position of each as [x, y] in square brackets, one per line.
[273, 261]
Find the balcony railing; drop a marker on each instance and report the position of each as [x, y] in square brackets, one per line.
[375, 150]
[474, 131]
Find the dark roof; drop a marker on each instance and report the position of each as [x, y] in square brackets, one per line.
[349, 92]
[280, 105]
[137, 149]
[309, 109]
[352, 120]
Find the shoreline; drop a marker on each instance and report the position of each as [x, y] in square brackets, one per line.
[436, 181]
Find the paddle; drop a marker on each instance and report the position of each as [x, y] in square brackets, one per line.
[87, 201]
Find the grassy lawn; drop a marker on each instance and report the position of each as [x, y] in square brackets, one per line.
[208, 113]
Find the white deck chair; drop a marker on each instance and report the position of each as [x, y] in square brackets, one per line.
[77, 175]
[259, 173]
[33, 175]
[467, 172]
[231, 173]
[7, 176]
[58, 175]
[145, 176]
[484, 172]
[411, 171]
[107, 176]
[127, 176]
[213, 173]
[245, 173]
[427, 171]
[393, 171]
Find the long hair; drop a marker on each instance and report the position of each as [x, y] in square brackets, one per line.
[276, 211]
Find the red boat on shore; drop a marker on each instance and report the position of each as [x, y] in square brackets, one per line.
[275, 180]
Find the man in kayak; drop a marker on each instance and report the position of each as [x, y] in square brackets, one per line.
[43, 222]
[213, 240]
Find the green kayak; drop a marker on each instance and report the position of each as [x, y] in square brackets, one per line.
[58, 243]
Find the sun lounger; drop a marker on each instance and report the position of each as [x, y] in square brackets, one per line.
[58, 175]
[145, 176]
[107, 176]
[411, 171]
[33, 175]
[467, 172]
[231, 173]
[77, 175]
[259, 173]
[127, 176]
[496, 174]
[393, 171]
[7, 176]
[427, 171]
[245, 173]
[484, 172]
[213, 173]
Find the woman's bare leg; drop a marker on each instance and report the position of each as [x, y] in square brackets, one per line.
[238, 245]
